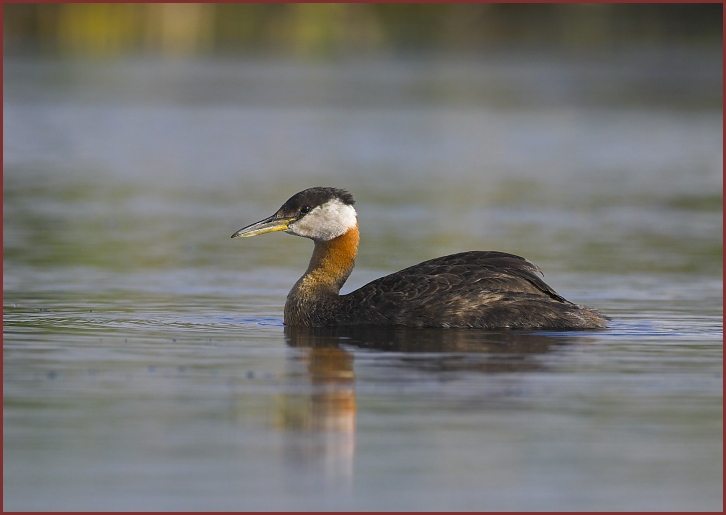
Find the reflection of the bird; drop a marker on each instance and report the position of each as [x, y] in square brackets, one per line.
[319, 421]
[319, 417]
[441, 349]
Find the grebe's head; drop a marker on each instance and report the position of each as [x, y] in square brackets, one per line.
[320, 214]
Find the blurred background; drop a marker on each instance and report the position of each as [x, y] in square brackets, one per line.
[112, 30]
[433, 111]
[145, 365]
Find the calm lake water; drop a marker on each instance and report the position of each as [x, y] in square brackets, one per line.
[146, 365]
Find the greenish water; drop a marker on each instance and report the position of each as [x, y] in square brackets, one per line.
[146, 366]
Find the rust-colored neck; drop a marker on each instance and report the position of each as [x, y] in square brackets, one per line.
[313, 299]
[332, 262]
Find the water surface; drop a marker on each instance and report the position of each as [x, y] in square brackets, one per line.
[146, 366]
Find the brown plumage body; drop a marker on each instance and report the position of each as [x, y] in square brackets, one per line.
[476, 289]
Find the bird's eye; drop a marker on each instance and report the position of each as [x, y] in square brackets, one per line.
[305, 210]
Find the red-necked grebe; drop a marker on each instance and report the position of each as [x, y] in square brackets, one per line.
[477, 289]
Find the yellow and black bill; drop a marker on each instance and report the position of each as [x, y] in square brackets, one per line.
[272, 223]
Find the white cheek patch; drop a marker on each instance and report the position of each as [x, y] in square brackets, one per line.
[325, 222]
